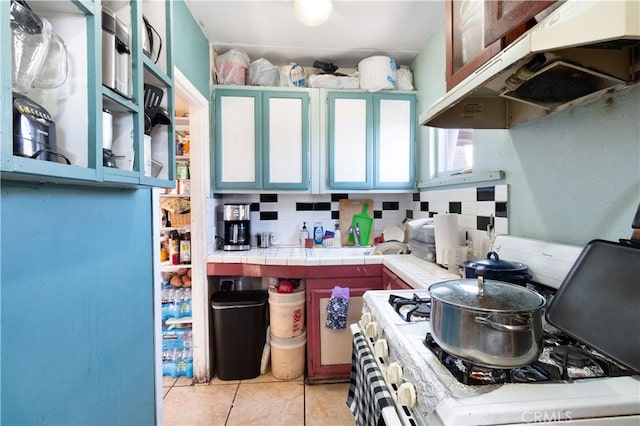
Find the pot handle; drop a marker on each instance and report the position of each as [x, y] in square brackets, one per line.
[480, 270]
[502, 327]
[492, 255]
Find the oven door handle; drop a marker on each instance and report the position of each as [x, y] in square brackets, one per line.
[503, 327]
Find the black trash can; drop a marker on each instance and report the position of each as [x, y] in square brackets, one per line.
[239, 333]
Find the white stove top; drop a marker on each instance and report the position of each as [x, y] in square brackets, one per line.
[441, 399]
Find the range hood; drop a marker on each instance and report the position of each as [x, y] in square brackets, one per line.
[581, 51]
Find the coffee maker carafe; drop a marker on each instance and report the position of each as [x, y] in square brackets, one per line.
[237, 228]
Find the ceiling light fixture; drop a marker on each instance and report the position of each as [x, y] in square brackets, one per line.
[312, 12]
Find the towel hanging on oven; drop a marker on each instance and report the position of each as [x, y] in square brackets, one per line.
[337, 308]
[368, 395]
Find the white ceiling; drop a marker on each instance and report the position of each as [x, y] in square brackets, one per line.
[355, 30]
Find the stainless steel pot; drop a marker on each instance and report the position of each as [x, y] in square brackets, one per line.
[488, 323]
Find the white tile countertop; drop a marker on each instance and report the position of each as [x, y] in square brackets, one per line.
[414, 271]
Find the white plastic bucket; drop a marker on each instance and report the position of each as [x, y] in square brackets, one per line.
[288, 356]
[286, 313]
[377, 73]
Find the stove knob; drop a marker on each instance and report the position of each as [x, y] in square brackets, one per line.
[365, 319]
[381, 348]
[371, 330]
[407, 395]
[394, 373]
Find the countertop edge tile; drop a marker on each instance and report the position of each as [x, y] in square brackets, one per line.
[416, 272]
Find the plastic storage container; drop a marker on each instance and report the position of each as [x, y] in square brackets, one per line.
[288, 356]
[239, 331]
[286, 312]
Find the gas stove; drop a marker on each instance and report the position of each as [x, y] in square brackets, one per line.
[562, 358]
[568, 382]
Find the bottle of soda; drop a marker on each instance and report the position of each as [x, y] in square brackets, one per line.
[174, 247]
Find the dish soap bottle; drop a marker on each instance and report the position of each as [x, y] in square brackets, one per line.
[318, 234]
[304, 234]
[337, 238]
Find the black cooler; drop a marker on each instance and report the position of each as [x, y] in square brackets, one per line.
[239, 333]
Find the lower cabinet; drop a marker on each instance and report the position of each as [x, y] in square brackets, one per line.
[391, 281]
[329, 350]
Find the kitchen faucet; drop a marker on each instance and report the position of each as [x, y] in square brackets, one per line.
[356, 234]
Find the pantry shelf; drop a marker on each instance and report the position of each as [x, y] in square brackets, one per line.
[169, 267]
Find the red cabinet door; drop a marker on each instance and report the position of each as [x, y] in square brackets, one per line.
[465, 50]
[328, 350]
[391, 281]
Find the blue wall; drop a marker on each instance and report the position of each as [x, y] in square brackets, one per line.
[76, 279]
[191, 48]
[573, 176]
[77, 305]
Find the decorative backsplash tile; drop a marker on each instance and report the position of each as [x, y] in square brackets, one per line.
[284, 214]
[477, 207]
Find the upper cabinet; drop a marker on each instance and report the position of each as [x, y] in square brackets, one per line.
[262, 139]
[371, 140]
[509, 18]
[477, 30]
[74, 107]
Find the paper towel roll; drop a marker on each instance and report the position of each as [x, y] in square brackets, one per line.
[447, 235]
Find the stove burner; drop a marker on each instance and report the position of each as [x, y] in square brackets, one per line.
[417, 308]
[571, 356]
[470, 374]
[536, 372]
[553, 339]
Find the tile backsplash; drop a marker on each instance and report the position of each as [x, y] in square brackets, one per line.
[284, 214]
[475, 205]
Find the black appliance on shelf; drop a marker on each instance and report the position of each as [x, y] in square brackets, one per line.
[34, 131]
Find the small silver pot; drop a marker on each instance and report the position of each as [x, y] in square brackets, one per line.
[488, 323]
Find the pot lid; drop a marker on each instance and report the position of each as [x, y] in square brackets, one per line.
[497, 295]
[493, 262]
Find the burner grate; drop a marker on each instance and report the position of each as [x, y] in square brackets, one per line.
[557, 363]
[411, 309]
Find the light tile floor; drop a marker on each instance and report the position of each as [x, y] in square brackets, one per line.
[264, 400]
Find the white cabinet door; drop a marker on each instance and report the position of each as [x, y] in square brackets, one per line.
[238, 132]
[394, 141]
[371, 140]
[350, 140]
[286, 161]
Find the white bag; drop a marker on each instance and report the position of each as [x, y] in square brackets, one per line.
[377, 73]
[232, 67]
[328, 81]
[405, 78]
[293, 75]
[263, 73]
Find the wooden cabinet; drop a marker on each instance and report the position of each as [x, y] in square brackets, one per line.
[509, 18]
[391, 281]
[262, 139]
[77, 106]
[371, 140]
[329, 350]
[475, 31]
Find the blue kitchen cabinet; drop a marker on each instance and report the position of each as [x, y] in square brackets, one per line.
[261, 139]
[76, 107]
[371, 140]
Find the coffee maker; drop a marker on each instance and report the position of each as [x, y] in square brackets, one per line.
[237, 229]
